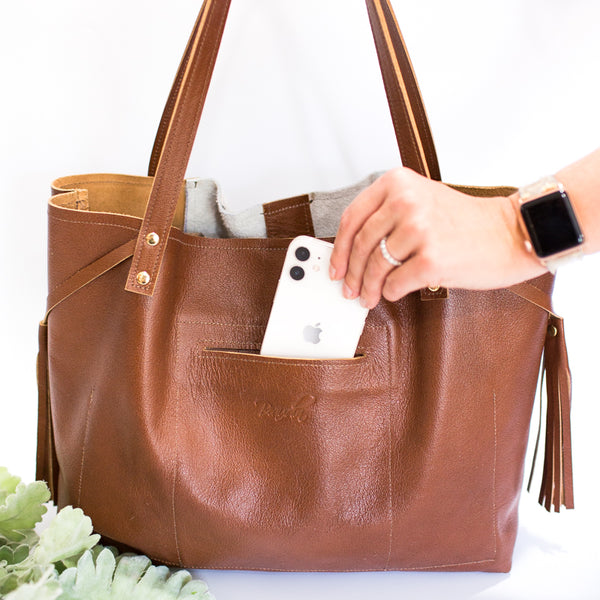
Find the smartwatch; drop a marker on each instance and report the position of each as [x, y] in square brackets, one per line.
[550, 226]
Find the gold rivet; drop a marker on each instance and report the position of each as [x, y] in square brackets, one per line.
[552, 331]
[143, 278]
[152, 239]
[434, 288]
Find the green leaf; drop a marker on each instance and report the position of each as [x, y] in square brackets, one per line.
[47, 588]
[67, 537]
[13, 553]
[8, 484]
[8, 581]
[130, 569]
[65, 562]
[28, 537]
[129, 577]
[22, 506]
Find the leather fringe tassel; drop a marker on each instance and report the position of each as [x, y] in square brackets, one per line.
[557, 477]
[46, 463]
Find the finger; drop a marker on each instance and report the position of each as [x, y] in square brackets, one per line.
[401, 246]
[353, 218]
[412, 275]
[365, 245]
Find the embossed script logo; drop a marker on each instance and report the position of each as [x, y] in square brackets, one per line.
[299, 412]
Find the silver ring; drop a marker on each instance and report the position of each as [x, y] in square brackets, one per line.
[385, 252]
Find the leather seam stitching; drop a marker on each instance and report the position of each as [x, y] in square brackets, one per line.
[398, 89]
[246, 345]
[244, 324]
[289, 362]
[241, 325]
[308, 218]
[401, 84]
[176, 462]
[271, 570]
[84, 445]
[254, 345]
[209, 247]
[171, 238]
[77, 186]
[390, 488]
[494, 510]
[54, 217]
[278, 210]
[420, 117]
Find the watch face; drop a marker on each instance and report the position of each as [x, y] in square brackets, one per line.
[551, 224]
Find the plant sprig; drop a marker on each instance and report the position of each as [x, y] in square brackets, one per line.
[66, 562]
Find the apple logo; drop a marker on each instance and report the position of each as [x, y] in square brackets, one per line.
[312, 333]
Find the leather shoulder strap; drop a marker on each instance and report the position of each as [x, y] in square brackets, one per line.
[402, 90]
[176, 150]
[165, 120]
[182, 115]
[407, 109]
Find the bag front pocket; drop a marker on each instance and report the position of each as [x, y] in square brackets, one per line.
[282, 463]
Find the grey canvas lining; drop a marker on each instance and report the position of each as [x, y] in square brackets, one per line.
[206, 212]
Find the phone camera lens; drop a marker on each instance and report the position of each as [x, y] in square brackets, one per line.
[297, 273]
[302, 253]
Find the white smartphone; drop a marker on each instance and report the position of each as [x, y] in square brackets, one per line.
[310, 318]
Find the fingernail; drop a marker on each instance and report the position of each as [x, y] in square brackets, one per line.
[332, 272]
[348, 293]
[363, 302]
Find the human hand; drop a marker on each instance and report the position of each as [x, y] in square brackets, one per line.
[443, 238]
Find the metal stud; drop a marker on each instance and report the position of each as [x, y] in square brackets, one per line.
[143, 278]
[434, 288]
[552, 331]
[152, 239]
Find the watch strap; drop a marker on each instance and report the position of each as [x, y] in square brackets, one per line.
[543, 186]
[527, 193]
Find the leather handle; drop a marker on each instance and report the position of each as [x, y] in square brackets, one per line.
[407, 109]
[177, 147]
[401, 87]
[181, 117]
[167, 114]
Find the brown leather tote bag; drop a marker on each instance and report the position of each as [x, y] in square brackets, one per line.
[158, 417]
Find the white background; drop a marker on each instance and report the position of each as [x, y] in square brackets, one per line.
[297, 105]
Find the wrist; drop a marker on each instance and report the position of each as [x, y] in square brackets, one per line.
[520, 249]
[582, 181]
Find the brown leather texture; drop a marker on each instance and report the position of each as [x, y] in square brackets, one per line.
[288, 218]
[160, 419]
